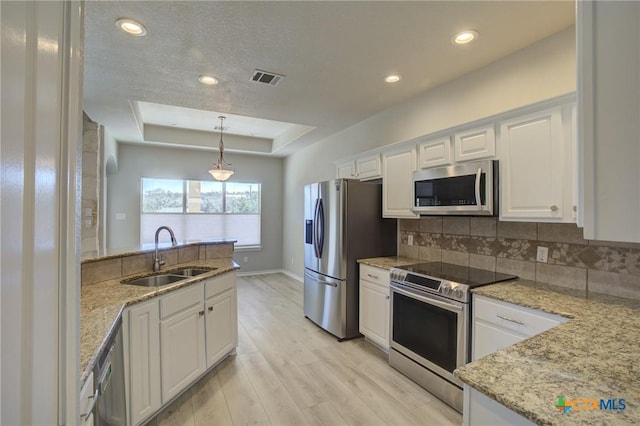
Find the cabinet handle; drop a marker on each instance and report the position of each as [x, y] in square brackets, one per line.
[375, 277]
[210, 308]
[201, 313]
[510, 319]
[554, 208]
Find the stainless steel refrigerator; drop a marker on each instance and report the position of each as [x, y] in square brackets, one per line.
[343, 223]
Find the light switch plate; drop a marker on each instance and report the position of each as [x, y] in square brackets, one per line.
[410, 239]
[543, 254]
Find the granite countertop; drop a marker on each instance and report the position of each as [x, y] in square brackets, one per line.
[594, 355]
[389, 261]
[101, 305]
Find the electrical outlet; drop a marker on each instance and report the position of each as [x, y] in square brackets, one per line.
[543, 254]
[246, 259]
[410, 239]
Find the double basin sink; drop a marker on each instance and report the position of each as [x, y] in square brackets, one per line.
[168, 277]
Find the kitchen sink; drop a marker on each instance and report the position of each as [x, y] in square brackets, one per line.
[155, 280]
[192, 272]
[168, 278]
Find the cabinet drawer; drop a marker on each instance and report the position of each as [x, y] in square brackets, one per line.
[374, 275]
[525, 321]
[219, 284]
[180, 300]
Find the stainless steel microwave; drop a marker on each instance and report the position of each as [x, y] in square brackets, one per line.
[466, 189]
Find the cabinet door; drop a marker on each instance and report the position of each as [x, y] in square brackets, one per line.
[488, 338]
[368, 167]
[435, 152]
[346, 170]
[475, 144]
[182, 352]
[397, 183]
[532, 167]
[374, 313]
[142, 335]
[221, 325]
[608, 41]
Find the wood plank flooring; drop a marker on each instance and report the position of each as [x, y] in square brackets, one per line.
[288, 371]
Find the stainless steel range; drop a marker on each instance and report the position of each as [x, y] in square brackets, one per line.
[430, 323]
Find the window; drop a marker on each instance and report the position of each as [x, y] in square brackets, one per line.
[200, 210]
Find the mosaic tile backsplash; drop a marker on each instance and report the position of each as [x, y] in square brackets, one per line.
[593, 266]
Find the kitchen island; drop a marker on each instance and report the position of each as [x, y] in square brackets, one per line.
[592, 356]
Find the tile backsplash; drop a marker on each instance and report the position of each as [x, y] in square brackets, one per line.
[510, 247]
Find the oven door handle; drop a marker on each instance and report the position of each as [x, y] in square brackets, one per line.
[450, 306]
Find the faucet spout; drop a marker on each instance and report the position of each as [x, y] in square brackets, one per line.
[157, 260]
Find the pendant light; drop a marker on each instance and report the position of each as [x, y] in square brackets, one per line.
[221, 171]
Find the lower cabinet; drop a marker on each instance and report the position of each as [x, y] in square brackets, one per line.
[482, 410]
[496, 325]
[172, 340]
[374, 305]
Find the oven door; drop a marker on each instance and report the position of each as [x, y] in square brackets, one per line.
[431, 330]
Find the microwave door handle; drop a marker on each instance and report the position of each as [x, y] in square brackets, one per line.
[478, 200]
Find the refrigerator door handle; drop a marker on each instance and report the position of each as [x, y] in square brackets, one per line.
[318, 243]
[320, 280]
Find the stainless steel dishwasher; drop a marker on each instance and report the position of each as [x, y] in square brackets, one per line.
[109, 376]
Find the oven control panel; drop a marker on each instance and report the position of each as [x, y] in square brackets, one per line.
[427, 284]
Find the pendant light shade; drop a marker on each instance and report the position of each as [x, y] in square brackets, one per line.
[221, 170]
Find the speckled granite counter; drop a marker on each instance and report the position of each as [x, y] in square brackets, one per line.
[594, 355]
[101, 304]
[389, 262]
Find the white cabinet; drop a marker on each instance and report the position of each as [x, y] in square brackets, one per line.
[434, 152]
[141, 324]
[482, 410]
[172, 340]
[608, 53]
[182, 351]
[398, 166]
[221, 313]
[498, 324]
[374, 305]
[475, 144]
[363, 168]
[536, 167]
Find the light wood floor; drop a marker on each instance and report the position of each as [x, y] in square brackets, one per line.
[288, 371]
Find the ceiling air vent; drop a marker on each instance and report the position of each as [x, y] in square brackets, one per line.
[272, 79]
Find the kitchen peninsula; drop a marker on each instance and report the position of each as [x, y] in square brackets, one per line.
[105, 299]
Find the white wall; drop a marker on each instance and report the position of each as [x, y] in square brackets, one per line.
[543, 70]
[137, 161]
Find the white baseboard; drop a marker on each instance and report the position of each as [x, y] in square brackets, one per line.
[270, 271]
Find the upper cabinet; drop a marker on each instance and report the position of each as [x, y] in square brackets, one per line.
[434, 152]
[475, 144]
[398, 165]
[364, 168]
[536, 166]
[608, 41]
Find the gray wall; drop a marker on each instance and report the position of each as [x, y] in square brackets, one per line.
[137, 161]
[541, 71]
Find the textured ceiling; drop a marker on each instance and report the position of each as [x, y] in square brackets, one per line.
[334, 56]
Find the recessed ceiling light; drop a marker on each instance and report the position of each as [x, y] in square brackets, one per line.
[208, 79]
[131, 27]
[392, 78]
[465, 37]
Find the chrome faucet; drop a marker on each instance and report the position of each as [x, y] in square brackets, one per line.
[158, 261]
